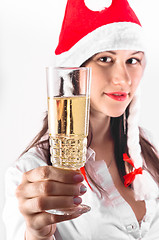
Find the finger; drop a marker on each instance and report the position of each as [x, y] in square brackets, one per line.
[40, 204]
[50, 188]
[52, 173]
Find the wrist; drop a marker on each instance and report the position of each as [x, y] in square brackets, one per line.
[30, 236]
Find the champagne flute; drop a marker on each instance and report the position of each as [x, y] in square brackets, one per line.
[68, 91]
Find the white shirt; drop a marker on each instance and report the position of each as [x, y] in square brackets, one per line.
[111, 217]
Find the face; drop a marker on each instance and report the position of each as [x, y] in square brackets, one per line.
[115, 78]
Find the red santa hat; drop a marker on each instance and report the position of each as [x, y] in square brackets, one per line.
[92, 26]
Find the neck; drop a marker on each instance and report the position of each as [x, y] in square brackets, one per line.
[100, 127]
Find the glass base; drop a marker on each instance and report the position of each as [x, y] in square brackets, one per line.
[68, 152]
[80, 209]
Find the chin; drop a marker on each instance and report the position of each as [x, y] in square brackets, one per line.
[117, 113]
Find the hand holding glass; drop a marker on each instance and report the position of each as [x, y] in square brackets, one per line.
[68, 92]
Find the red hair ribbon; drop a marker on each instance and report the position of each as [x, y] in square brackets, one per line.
[129, 178]
[85, 177]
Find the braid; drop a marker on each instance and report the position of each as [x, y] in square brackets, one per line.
[133, 138]
[144, 185]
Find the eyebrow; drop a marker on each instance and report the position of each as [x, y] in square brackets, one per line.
[137, 52]
[112, 52]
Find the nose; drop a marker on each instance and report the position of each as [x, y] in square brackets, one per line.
[120, 75]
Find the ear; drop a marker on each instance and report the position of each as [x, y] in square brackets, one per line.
[98, 5]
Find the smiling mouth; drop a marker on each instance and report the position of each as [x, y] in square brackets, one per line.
[118, 96]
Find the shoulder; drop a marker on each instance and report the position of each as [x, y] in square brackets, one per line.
[28, 161]
[31, 159]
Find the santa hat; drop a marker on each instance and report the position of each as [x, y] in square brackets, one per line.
[93, 26]
[110, 23]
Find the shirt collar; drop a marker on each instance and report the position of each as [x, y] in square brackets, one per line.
[90, 156]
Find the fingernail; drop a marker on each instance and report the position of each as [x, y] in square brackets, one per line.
[78, 178]
[77, 200]
[83, 189]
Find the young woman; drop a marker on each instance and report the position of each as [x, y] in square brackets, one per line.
[122, 168]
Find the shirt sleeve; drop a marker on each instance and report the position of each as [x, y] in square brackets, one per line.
[13, 219]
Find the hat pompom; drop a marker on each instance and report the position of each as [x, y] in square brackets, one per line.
[98, 5]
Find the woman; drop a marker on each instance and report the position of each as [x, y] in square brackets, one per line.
[122, 166]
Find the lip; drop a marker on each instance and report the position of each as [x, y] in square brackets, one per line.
[118, 96]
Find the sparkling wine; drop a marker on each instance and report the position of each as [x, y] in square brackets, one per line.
[68, 130]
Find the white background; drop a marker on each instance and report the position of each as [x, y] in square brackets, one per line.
[28, 36]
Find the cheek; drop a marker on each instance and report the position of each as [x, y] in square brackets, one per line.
[94, 92]
[95, 85]
[99, 79]
[136, 79]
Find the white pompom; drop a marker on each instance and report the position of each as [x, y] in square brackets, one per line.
[98, 5]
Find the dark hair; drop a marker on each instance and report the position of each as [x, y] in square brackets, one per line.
[149, 152]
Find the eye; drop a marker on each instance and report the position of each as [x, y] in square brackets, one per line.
[133, 61]
[105, 59]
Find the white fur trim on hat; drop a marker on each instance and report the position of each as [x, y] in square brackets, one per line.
[98, 5]
[114, 36]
